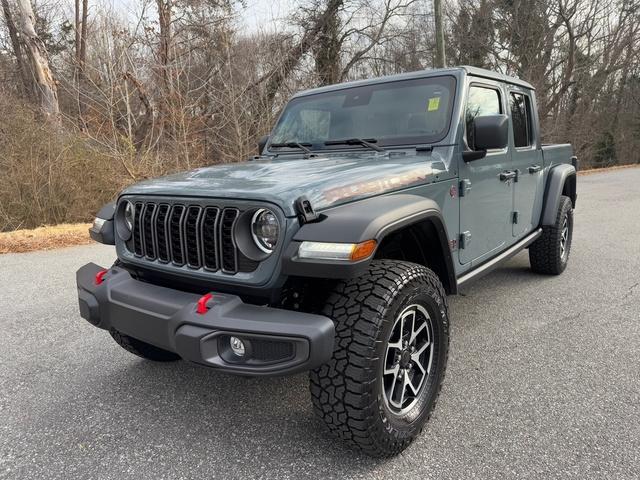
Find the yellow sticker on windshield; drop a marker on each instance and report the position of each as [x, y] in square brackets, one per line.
[434, 104]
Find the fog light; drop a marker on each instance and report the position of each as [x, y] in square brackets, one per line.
[237, 346]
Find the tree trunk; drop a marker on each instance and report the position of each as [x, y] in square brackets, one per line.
[276, 77]
[622, 86]
[83, 34]
[45, 84]
[77, 32]
[328, 46]
[164, 51]
[439, 20]
[144, 124]
[17, 48]
[81, 16]
[166, 104]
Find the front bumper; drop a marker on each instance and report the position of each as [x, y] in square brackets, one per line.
[279, 342]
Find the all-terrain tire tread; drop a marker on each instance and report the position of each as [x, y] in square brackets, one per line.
[545, 254]
[340, 388]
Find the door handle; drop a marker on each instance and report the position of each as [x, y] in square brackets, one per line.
[534, 168]
[508, 175]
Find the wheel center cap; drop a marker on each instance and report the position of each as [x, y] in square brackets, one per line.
[405, 358]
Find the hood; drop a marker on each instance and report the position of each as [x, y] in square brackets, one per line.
[325, 180]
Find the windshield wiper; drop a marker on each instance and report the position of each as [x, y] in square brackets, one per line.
[365, 142]
[301, 146]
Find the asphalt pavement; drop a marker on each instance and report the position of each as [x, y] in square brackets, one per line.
[543, 379]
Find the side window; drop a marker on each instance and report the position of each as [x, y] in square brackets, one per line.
[520, 107]
[481, 101]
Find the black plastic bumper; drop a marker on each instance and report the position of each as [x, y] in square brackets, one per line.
[278, 342]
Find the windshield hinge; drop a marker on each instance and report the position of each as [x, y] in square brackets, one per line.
[306, 213]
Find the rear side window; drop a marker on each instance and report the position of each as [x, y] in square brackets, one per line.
[482, 101]
[520, 106]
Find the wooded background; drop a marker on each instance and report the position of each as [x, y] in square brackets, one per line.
[93, 98]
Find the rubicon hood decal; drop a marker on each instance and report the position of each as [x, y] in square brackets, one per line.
[325, 180]
[376, 186]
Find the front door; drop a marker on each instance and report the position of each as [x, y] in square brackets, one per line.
[485, 208]
[527, 161]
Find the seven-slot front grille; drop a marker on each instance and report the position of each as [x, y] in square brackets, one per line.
[200, 237]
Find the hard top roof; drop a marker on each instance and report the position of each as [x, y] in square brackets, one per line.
[456, 71]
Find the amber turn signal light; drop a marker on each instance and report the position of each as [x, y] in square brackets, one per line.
[363, 250]
[343, 252]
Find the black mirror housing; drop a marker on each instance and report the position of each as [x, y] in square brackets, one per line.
[471, 155]
[491, 132]
[262, 142]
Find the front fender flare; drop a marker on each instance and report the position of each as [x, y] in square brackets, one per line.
[373, 218]
[106, 233]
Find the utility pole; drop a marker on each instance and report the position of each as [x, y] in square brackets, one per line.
[440, 61]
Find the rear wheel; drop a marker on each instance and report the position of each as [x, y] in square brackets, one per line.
[143, 349]
[549, 254]
[389, 359]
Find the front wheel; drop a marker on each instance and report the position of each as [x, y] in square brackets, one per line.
[389, 358]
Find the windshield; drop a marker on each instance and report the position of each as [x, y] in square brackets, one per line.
[401, 112]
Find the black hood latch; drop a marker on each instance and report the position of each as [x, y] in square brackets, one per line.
[306, 213]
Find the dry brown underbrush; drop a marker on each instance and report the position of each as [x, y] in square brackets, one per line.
[44, 238]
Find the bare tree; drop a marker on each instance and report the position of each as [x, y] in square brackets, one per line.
[439, 21]
[35, 51]
[328, 44]
[473, 34]
[17, 47]
[81, 18]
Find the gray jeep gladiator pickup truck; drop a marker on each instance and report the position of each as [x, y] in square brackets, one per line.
[334, 250]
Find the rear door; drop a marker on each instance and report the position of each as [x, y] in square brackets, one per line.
[526, 159]
[485, 208]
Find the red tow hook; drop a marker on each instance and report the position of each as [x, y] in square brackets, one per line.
[202, 304]
[100, 276]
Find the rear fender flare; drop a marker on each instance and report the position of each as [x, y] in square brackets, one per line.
[558, 177]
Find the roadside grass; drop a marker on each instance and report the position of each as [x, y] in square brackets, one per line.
[69, 234]
[45, 238]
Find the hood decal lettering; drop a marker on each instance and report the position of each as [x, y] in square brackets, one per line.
[377, 186]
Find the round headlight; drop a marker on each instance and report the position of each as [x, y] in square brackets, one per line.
[129, 215]
[265, 229]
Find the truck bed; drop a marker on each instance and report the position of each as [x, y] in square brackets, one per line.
[554, 154]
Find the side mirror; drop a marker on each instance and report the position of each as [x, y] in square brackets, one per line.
[490, 132]
[262, 142]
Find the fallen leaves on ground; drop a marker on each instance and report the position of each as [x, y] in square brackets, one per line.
[45, 238]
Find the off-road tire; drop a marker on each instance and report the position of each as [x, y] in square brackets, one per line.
[545, 254]
[347, 391]
[143, 349]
